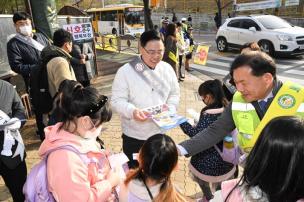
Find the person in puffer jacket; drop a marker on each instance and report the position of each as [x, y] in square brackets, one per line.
[82, 111]
[151, 181]
[208, 166]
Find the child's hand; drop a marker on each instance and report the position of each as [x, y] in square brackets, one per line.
[114, 178]
[112, 198]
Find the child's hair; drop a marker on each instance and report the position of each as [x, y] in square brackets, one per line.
[77, 101]
[275, 163]
[215, 89]
[251, 46]
[157, 159]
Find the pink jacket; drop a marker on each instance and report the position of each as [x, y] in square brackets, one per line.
[69, 178]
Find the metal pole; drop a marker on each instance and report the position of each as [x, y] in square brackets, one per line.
[29, 10]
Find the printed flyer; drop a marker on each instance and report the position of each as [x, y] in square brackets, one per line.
[164, 118]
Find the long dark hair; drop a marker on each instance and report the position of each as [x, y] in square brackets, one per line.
[213, 88]
[275, 163]
[77, 101]
[171, 30]
[157, 159]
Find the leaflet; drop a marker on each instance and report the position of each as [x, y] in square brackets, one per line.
[165, 118]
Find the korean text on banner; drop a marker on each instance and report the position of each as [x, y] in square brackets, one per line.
[81, 32]
[201, 54]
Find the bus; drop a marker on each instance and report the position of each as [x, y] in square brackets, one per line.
[124, 19]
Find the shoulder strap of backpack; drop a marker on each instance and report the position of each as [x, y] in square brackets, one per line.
[83, 157]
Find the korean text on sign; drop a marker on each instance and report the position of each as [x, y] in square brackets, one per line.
[81, 31]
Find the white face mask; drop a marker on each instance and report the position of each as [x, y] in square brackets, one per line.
[26, 30]
[93, 133]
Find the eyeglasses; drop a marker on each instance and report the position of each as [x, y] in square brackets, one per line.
[154, 52]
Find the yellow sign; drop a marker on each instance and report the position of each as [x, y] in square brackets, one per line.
[201, 54]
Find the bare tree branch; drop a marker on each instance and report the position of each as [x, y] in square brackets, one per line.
[227, 4]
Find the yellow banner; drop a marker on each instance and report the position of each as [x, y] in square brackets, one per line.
[201, 54]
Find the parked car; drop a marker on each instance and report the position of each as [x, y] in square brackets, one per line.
[274, 35]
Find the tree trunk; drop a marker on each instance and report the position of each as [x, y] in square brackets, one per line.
[219, 8]
[45, 16]
[147, 14]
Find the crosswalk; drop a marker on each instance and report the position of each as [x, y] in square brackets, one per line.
[218, 66]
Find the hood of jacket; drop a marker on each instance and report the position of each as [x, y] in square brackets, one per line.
[55, 138]
[137, 188]
[52, 51]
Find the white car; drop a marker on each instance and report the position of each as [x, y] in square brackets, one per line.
[274, 35]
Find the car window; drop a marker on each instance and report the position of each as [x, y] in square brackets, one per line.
[273, 22]
[247, 23]
[234, 23]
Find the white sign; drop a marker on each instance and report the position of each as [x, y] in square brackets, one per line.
[258, 5]
[82, 31]
[292, 2]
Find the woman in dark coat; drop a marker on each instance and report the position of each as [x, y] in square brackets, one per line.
[170, 55]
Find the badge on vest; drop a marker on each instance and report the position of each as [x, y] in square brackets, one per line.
[286, 101]
[139, 67]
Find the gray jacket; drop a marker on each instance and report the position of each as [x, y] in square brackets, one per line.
[220, 128]
[11, 104]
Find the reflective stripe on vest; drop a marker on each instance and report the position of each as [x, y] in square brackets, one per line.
[191, 48]
[288, 101]
[172, 56]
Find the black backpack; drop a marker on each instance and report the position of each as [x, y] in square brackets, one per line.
[39, 86]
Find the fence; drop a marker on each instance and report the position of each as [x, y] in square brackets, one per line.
[126, 43]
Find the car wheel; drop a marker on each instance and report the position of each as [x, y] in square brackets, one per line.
[221, 44]
[267, 47]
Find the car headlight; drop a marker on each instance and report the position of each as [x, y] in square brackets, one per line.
[283, 37]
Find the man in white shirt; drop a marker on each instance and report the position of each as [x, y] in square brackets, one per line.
[147, 81]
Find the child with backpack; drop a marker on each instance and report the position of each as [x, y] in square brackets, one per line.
[151, 180]
[208, 166]
[274, 167]
[77, 169]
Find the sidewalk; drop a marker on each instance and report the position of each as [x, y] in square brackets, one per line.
[112, 136]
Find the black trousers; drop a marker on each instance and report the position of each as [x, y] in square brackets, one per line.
[180, 63]
[129, 146]
[14, 179]
[40, 124]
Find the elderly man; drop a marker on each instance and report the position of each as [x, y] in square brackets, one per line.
[259, 98]
[147, 81]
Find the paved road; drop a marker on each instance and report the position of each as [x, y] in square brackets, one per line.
[218, 65]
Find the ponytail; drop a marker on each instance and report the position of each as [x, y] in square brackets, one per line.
[157, 159]
[168, 192]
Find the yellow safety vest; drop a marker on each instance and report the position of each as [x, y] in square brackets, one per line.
[288, 101]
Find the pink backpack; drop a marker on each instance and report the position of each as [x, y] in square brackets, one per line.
[35, 188]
